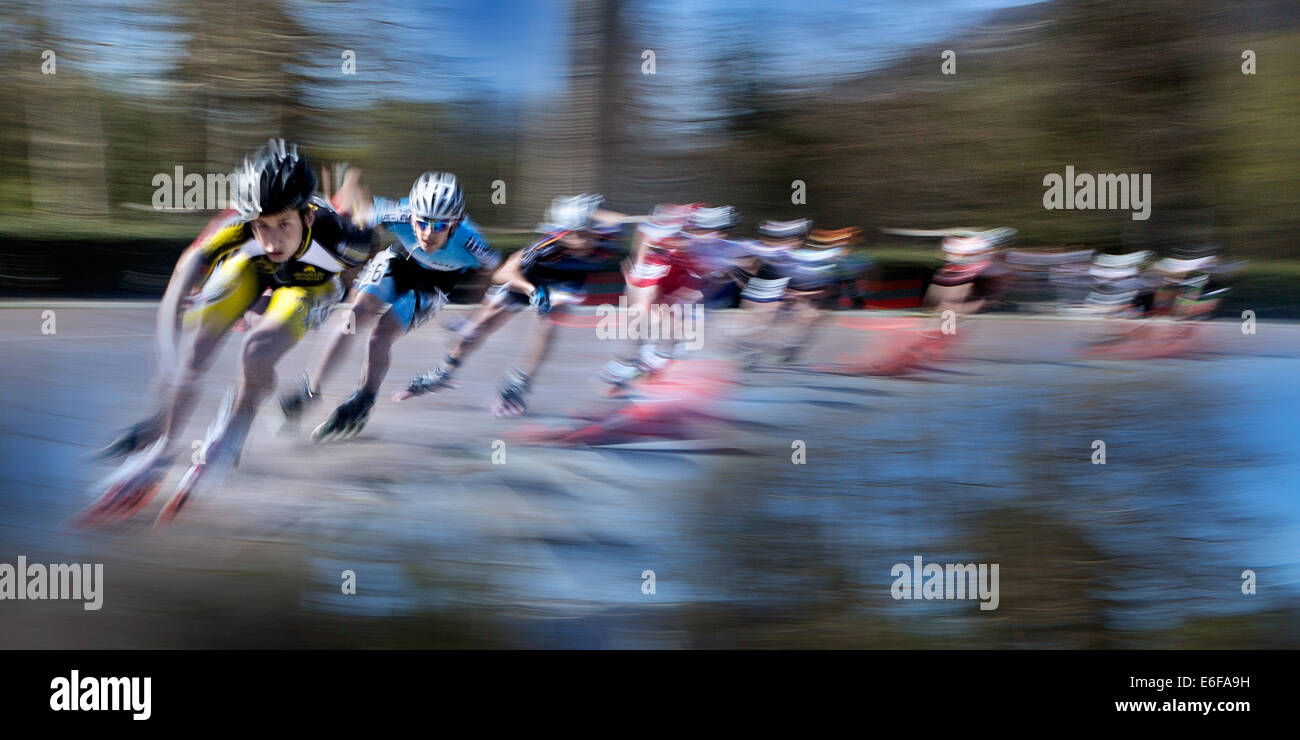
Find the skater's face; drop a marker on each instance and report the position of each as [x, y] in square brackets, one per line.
[280, 234]
[705, 233]
[577, 241]
[431, 234]
[784, 243]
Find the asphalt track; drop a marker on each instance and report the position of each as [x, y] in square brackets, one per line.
[982, 456]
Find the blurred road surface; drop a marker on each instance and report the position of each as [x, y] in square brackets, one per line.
[985, 457]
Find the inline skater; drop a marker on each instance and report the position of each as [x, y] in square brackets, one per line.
[767, 278]
[1191, 287]
[971, 276]
[970, 279]
[437, 244]
[686, 259]
[284, 239]
[808, 270]
[1172, 298]
[549, 275]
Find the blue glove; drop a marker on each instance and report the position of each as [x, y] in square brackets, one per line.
[541, 298]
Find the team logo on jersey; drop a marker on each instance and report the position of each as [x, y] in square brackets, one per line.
[294, 272]
[309, 274]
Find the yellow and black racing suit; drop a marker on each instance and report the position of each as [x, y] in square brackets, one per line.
[303, 289]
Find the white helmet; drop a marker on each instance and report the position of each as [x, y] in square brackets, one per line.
[1174, 266]
[966, 246]
[784, 229]
[274, 178]
[437, 196]
[1118, 266]
[672, 214]
[714, 219]
[572, 214]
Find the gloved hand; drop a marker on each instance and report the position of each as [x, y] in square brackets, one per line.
[347, 420]
[541, 299]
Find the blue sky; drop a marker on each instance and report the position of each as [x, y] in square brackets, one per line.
[513, 48]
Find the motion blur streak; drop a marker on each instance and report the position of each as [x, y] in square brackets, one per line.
[1104, 407]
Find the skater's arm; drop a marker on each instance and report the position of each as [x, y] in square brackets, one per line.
[638, 249]
[353, 200]
[188, 275]
[511, 275]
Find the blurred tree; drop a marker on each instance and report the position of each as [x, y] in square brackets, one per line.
[564, 139]
[60, 119]
[240, 67]
[1132, 79]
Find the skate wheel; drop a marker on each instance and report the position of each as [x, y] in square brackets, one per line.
[178, 499]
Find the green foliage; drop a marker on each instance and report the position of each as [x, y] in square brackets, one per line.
[1150, 86]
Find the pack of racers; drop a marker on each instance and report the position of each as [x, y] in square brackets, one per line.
[286, 248]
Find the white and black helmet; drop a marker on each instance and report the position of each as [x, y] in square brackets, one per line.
[572, 214]
[714, 219]
[795, 229]
[437, 196]
[272, 179]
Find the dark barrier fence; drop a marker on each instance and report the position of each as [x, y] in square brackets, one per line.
[140, 269]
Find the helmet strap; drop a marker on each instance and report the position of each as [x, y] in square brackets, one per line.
[306, 233]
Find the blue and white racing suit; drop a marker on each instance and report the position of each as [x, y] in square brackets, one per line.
[413, 282]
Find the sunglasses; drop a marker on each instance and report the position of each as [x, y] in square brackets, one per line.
[436, 226]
